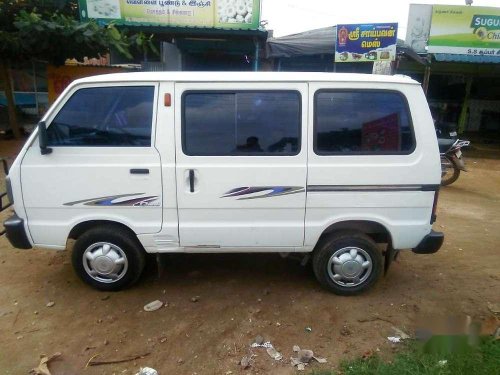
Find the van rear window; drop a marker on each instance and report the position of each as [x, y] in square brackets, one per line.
[357, 122]
[105, 116]
[220, 123]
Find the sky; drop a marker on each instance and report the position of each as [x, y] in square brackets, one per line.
[287, 17]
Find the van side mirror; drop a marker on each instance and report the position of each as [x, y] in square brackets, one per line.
[42, 138]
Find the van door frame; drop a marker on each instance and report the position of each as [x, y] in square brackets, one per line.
[196, 236]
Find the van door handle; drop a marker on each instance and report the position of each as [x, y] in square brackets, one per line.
[191, 181]
[139, 171]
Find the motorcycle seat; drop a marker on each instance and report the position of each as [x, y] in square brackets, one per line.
[445, 144]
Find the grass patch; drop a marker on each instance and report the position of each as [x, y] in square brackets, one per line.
[438, 358]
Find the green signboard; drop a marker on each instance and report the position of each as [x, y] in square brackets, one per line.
[225, 14]
[465, 30]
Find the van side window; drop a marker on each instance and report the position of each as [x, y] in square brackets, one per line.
[350, 122]
[105, 116]
[241, 123]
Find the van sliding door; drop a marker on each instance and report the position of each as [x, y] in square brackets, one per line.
[241, 164]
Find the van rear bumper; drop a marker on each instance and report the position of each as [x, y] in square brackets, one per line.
[16, 234]
[430, 244]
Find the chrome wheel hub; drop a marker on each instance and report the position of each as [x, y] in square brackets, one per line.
[349, 266]
[105, 262]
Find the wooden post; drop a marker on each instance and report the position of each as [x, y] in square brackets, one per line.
[462, 121]
[9, 94]
[427, 75]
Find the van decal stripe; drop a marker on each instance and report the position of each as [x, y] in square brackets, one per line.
[111, 200]
[243, 192]
[370, 188]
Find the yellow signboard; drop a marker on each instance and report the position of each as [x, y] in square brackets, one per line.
[465, 30]
[225, 14]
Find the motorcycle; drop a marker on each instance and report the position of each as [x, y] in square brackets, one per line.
[452, 161]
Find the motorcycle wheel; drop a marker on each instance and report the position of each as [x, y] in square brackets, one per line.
[449, 170]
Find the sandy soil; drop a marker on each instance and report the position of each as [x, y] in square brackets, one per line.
[242, 296]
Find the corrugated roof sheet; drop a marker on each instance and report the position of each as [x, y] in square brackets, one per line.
[489, 59]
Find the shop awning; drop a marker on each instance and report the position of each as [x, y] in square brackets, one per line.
[312, 42]
[317, 42]
[206, 32]
[467, 58]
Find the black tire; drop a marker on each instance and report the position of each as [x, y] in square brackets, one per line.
[120, 237]
[327, 248]
[456, 171]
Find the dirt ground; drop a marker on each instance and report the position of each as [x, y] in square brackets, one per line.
[242, 296]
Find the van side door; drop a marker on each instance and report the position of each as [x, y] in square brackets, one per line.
[103, 164]
[241, 164]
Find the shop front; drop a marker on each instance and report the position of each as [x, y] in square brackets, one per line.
[192, 35]
[461, 45]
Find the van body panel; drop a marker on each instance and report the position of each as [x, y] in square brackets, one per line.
[386, 189]
[168, 237]
[215, 213]
[77, 184]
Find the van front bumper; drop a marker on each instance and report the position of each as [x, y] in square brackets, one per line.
[430, 244]
[16, 234]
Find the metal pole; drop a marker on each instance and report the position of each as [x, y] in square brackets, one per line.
[256, 62]
[427, 75]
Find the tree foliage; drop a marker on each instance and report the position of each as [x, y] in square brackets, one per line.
[49, 30]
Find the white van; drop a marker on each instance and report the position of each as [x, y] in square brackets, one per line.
[343, 166]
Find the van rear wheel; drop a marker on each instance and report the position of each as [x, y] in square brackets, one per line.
[108, 258]
[347, 263]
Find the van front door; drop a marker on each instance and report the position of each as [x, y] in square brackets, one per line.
[241, 164]
[103, 164]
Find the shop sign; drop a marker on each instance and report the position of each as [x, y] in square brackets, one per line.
[419, 27]
[465, 30]
[226, 14]
[366, 42]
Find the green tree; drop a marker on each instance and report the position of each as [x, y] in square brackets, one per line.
[49, 30]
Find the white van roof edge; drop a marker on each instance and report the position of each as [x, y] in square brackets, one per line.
[245, 77]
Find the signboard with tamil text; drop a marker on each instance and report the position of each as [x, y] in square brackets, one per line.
[225, 14]
[366, 42]
[465, 30]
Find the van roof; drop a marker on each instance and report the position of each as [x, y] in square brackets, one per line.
[245, 77]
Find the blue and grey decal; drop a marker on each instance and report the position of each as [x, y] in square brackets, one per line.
[252, 192]
[135, 199]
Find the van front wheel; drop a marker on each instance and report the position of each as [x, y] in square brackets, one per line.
[347, 263]
[108, 258]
